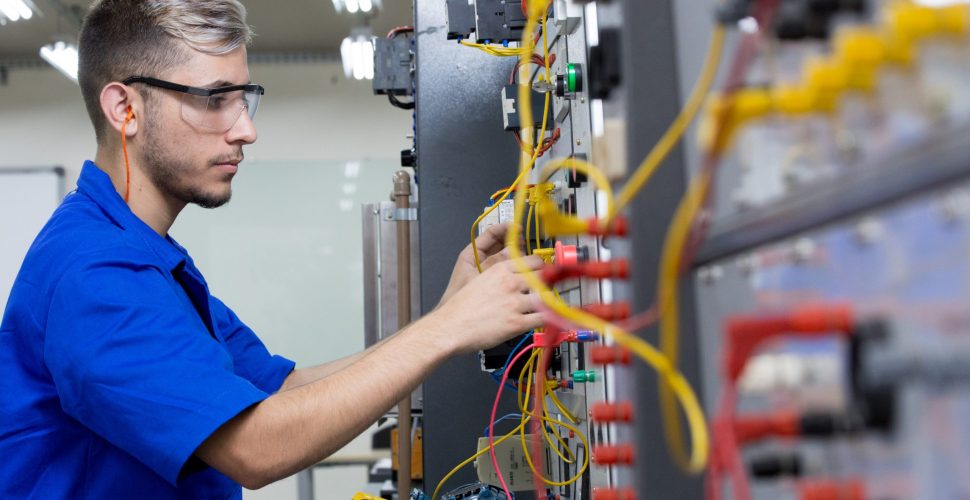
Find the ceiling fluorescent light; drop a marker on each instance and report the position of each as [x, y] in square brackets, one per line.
[15, 10]
[62, 56]
[357, 54]
[355, 6]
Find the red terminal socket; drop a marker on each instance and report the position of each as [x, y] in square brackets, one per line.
[553, 339]
[618, 227]
[613, 269]
[747, 332]
[566, 255]
[612, 412]
[850, 489]
[621, 454]
[606, 355]
[613, 494]
[609, 312]
[754, 428]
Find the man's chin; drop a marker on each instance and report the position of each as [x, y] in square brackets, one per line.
[212, 200]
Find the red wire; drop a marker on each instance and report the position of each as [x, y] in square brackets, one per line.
[399, 29]
[537, 482]
[491, 420]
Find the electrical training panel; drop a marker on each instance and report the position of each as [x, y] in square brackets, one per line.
[832, 289]
[816, 258]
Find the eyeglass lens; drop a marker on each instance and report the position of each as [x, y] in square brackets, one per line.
[218, 112]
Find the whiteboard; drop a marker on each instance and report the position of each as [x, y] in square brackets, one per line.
[27, 199]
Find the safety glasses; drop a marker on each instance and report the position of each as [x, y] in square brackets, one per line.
[215, 110]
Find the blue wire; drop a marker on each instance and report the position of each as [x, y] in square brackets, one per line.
[506, 417]
[512, 354]
[497, 374]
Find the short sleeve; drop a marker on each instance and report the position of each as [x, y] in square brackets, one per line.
[133, 364]
[251, 358]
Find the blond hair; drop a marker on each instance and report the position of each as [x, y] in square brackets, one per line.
[122, 38]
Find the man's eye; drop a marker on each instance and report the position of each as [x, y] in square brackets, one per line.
[216, 102]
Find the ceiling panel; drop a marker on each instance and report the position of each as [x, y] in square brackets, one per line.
[280, 26]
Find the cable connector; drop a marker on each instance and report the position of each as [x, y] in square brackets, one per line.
[553, 339]
[825, 489]
[603, 412]
[583, 376]
[607, 355]
[745, 333]
[613, 269]
[610, 312]
[617, 227]
[621, 454]
[613, 494]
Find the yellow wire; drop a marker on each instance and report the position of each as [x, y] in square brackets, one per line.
[668, 373]
[473, 457]
[524, 410]
[676, 130]
[531, 369]
[515, 184]
[528, 221]
[534, 213]
[667, 293]
[562, 408]
[497, 50]
[584, 167]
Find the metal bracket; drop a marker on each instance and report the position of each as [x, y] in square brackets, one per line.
[399, 214]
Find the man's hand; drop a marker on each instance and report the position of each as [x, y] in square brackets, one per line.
[490, 252]
[491, 308]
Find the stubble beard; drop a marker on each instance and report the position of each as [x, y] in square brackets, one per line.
[169, 172]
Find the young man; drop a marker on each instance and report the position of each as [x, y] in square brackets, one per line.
[120, 375]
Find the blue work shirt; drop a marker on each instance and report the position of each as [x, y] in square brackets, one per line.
[116, 363]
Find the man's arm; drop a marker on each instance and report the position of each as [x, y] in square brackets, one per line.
[489, 243]
[303, 376]
[292, 430]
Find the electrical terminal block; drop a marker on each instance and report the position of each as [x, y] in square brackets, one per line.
[608, 355]
[554, 339]
[613, 494]
[745, 333]
[504, 214]
[614, 269]
[605, 412]
[821, 489]
[499, 20]
[620, 454]
[510, 108]
[610, 312]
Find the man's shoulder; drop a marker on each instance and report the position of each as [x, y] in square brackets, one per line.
[79, 233]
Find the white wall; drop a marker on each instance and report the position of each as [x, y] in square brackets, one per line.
[309, 112]
[310, 120]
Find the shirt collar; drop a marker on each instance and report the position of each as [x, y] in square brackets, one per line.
[96, 184]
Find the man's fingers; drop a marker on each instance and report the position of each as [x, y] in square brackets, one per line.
[531, 262]
[501, 256]
[532, 320]
[492, 240]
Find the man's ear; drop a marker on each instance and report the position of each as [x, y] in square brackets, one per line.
[116, 102]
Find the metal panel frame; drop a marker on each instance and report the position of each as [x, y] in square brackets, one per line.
[651, 88]
[936, 161]
[462, 155]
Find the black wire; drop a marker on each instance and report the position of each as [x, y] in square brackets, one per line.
[398, 104]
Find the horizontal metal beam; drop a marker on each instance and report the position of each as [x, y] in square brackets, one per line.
[940, 159]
